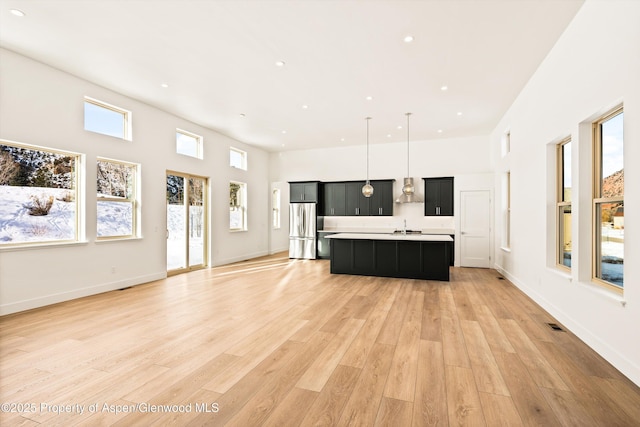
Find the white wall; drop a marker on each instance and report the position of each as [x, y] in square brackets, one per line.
[593, 67]
[43, 106]
[466, 159]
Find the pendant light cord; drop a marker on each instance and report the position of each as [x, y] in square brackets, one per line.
[367, 119]
[407, 114]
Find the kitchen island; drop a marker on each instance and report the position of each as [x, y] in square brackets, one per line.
[411, 256]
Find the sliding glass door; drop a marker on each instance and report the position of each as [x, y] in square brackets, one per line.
[186, 222]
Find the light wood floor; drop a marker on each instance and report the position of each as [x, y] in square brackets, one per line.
[284, 343]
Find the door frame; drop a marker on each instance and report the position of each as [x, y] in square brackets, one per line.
[205, 228]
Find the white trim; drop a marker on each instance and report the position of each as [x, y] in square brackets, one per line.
[23, 305]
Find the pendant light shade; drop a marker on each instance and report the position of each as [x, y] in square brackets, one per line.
[367, 189]
[408, 190]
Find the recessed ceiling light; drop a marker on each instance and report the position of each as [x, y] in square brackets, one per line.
[459, 113]
[408, 39]
[305, 107]
[243, 115]
[17, 12]
[341, 139]
[369, 98]
[439, 130]
[164, 85]
[399, 127]
[279, 63]
[444, 87]
[388, 135]
[284, 131]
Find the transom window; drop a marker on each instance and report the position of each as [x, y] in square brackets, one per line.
[189, 144]
[116, 199]
[608, 200]
[237, 158]
[106, 119]
[39, 195]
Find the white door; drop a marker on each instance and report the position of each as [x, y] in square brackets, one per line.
[475, 229]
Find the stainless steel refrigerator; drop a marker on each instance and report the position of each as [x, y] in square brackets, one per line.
[302, 230]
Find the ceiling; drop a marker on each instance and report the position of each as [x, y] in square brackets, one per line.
[219, 57]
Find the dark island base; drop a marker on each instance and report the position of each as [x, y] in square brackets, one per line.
[391, 258]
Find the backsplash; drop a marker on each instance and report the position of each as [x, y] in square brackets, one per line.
[414, 222]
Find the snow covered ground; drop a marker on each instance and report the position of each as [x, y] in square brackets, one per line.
[16, 225]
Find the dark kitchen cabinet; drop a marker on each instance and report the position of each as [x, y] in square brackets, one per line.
[438, 196]
[303, 192]
[335, 199]
[428, 260]
[381, 201]
[345, 198]
[356, 204]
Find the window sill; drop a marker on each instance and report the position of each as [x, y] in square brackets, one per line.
[606, 293]
[238, 231]
[117, 239]
[28, 246]
[561, 272]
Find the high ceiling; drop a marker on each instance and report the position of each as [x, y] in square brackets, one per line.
[219, 57]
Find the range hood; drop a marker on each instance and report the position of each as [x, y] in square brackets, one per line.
[408, 193]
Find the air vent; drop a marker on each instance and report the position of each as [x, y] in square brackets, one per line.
[555, 327]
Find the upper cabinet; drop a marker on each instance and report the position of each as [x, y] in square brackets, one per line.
[381, 202]
[357, 204]
[346, 199]
[303, 192]
[438, 196]
[335, 199]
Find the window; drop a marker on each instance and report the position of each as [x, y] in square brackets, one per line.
[608, 200]
[188, 144]
[506, 143]
[506, 244]
[237, 206]
[563, 203]
[275, 207]
[116, 194]
[106, 119]
[38, 194]
[237, 158]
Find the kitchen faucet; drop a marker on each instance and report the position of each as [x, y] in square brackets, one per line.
[404, 229]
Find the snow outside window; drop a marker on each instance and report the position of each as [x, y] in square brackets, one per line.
[237, 206]
[116, 194]
[38, 195]
[608, 201]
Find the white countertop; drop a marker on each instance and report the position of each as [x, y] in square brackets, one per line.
[379, 230]
[390, 236]
[438, 231]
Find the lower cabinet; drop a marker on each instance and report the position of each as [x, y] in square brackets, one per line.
[391, 258]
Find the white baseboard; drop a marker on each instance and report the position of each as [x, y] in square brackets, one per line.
[42, 301]
[225, 261]
[628, 367]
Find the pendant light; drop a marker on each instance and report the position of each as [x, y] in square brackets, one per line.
[408, 190]
[367, 189]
